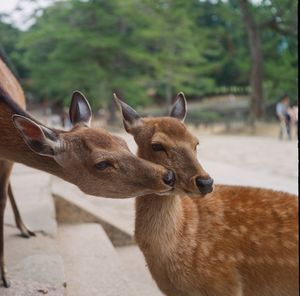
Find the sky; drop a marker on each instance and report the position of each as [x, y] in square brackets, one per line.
[18, 18]
[7, 6]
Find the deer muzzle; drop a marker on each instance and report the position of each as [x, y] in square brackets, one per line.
[205, 185]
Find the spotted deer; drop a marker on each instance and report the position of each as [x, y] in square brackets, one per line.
[205, 240]
[97, 162]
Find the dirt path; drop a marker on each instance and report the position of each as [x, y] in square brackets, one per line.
[267, 155]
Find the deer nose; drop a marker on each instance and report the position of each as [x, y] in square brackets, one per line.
[204, 185]
[169, 178]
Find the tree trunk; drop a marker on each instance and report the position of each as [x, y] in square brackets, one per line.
[256, 76]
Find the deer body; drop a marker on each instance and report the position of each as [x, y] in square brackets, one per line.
[233, 241]
[97, 162]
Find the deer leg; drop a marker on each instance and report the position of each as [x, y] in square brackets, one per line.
[5, 170]
[3, 197]
[25, 231]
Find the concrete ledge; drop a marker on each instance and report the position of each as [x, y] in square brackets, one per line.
[92, 265]
[72, 206]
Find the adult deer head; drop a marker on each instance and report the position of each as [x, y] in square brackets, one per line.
[98, 162]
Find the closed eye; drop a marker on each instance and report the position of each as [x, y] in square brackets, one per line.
[102, 165]
[157, 147]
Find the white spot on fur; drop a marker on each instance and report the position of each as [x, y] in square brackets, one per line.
[243, 229]
[205, 246]
[288, 244]
[254, 238]
[239, 256]
[221, 256]
[235, 232]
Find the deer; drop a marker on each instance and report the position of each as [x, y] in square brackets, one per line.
[203, 239]
[98, 162]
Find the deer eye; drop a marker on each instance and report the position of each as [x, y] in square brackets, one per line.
[102, 165]
[157, 147]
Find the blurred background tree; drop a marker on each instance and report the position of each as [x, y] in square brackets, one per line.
[147, 50]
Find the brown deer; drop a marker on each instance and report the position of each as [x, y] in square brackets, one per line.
[230, 241]
[97, 162]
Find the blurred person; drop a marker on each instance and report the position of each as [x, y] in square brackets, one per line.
[293, 112]
[283, 114]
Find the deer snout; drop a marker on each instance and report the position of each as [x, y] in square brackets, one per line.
[205, 185]
[169, 178]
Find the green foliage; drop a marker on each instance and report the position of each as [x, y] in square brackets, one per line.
[278, 23]
[101, 46]
[9, 37]
[150, 49]
[227, 56]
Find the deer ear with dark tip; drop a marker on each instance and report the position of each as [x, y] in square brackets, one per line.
[130, 117]
[39, 139]
[178, 109]
[80, 109]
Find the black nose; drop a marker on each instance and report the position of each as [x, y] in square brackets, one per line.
[169, 178]
[205, 185]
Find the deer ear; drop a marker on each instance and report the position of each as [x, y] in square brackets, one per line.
[178, 109]
[130, 117]
[80, 109]
[40, 139]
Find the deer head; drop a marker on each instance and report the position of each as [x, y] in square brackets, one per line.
[93, 159]
[166, 141]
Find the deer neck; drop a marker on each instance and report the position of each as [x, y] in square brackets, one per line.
[159, 219]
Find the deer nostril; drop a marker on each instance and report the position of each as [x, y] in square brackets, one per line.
[204, 185]
[169, 178]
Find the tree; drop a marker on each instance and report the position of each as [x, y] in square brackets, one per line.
[146, 50]
[226, 63]
[256, 76]
[172, 49]
[9, 36]
[106, 46]
[273, 15]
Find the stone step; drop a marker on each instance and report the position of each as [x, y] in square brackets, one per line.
[134, 262]
[92, 265]
[34, 265]
[73, 206]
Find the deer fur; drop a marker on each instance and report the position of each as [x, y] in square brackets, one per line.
[234, 241]
[97, 162]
